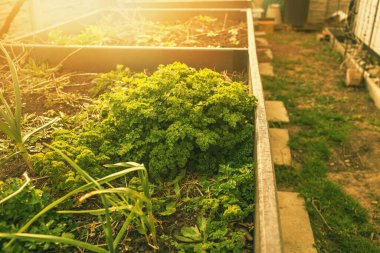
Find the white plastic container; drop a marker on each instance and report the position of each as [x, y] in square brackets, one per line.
[274, 11]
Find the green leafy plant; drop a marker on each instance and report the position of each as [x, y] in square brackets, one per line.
[20, 208]
[225, 213]
[209, 236]
[136, 207]
[104, 82]
[52, 164]
[176, 119]
[18, 191]
[179, 118]
[10, 122]
[193, 234]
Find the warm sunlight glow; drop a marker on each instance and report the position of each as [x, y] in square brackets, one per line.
[189, 126]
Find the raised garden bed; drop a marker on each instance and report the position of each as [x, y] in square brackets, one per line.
[186, 229]
[203, 190]
[139, 58]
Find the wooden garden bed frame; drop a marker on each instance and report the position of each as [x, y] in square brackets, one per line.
[220, 4]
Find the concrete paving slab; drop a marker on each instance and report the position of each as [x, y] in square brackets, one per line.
[279, 139]
[269, 54]
[264, 55]
[260, 34]
[261, 42]
[276, 111]
[266, 69]
[297, 234]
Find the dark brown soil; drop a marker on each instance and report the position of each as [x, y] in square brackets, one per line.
[69, 100]
[12, 169]
[198, 31]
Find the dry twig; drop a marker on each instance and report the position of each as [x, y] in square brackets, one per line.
[320, 215]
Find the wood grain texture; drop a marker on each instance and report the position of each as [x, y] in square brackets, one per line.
[267, 229]
[368, 11]
[320, 10]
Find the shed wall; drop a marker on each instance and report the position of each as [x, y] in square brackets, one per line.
[317, 11]
[366, 29]
[320, 10]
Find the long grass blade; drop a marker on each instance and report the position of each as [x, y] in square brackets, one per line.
[27, 181]
[87, 178]
[123, 164]
[96, 211]
[9, 119]
[107, 227]
[54, 239]
[5, 159]
[145, 183]
[123, 230]
[27, 136]
[143, 174]
[83, 188]
[127, 191]
[6, 111]
[6, 130]
[16, 86]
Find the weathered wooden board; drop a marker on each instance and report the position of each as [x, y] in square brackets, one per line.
[367, 27]
[239, 4]
[138, 58]
[267, 229]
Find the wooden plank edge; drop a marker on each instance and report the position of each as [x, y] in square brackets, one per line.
[268, 237]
